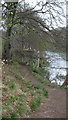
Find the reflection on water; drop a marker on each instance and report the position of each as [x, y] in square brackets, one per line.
[57, 68]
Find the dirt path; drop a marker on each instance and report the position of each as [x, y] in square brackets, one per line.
[54, 106]
[28, 75]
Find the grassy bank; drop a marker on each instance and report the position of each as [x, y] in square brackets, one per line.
[20, 96]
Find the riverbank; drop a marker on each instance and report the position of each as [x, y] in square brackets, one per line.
[22, 93]
[29, 97]
[51, 107]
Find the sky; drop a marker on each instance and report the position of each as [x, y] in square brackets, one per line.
[34, 2]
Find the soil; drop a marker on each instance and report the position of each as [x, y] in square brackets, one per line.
[54, 106]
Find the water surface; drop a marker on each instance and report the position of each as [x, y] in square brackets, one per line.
[57, 68]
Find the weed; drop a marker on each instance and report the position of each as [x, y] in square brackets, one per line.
[13, 115]
[45, 93]
[40, 78]
[5, 89]
[37, 86]
[13, 98]
[22, 108]
[35, 103]
[15, 62]
[6, 118]
[12, 84]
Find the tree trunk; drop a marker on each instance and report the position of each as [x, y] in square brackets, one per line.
[7, 47]
[10, 19]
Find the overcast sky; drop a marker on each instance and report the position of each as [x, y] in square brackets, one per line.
[34, 2]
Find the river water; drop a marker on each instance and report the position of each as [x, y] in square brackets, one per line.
[57, 68]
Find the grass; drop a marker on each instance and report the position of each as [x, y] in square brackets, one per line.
[5, 90]
[45, 93]
[43, 90]
[12, 84]
[19, 100]
[41, 78]
[15, 62]
[40, 72]
[13, 115]
[35, 104]
[22, 108]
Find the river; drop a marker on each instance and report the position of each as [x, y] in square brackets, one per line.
[57, 68]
